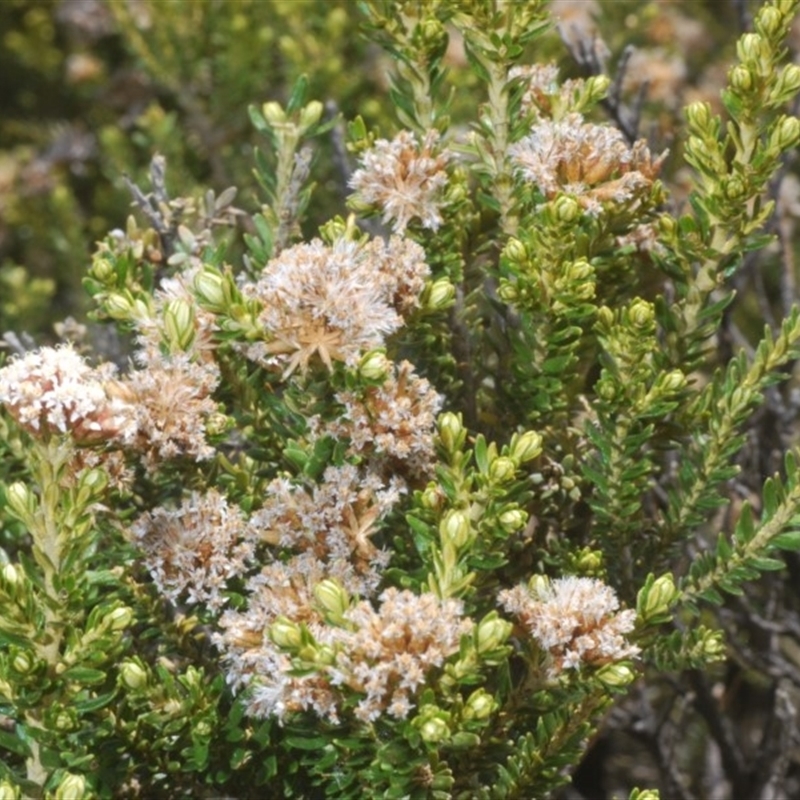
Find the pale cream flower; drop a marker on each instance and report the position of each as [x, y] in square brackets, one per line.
[334, 519]
[576, 621]
[383, 654]
[192, 551]
[395, 421]
[405, 179]
[252, 660]
[172, 405]
[334, 302]
[54, 390]
[591, 162]
[393, 648]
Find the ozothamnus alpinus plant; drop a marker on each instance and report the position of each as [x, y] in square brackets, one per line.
[397, 515]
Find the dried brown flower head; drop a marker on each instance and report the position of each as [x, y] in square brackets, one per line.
[591, 162]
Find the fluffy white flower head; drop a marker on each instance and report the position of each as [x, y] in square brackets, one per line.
[576, 620]
[54, 390]
[404, 179]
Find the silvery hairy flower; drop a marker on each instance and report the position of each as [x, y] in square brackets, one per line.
[405, 179]
[334, 302]
[592, 162]
[54, 390]
[577, 621]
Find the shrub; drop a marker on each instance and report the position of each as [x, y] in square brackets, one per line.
[402, 509]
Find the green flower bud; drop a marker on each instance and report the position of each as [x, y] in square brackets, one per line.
[455, 193]
[616, 676]
[193, 678]
[439, 295]
[538, 586]
[512, 520]
[374, 366]
[72, 787]
[311, 115]
[741, 79]
[596, 87]
[788, 84]
[456, 529]
[433, 498]
[673, 381]
[752, 47]
[179, 323]
[526, 446]
[507, 291]
[451, 431]
[641, 313]
[502, 470]
[118, 306]
[218, 423]
[140, 309]
[133, 676]
[606, 388]
[644, 794]
[8, 791]
[579, 271]
[431, 31]
[711, 646]
[605, 317]
[324, 654]
[23, 662]
[119, 619]
[286, 634]
[785, 134]
[769, 22]
[102, 270]
[566, 209]
[64, 720]
[491, 633]
[273, 113]
[433, 727]
[699, 117]
[12, 577]
[94, 479]
[734, 187]
[209, 286]
[589, 562]
[333, 598]
[656, 597]
[667, 226]
[516, 252]
[21, 501]
[480, 705]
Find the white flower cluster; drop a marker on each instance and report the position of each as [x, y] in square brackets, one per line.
[54, 390]
[575, 620]
[334, 302]
[404, 178]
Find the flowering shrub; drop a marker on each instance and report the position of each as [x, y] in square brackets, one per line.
[401, 510]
